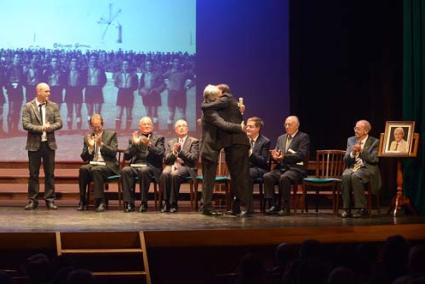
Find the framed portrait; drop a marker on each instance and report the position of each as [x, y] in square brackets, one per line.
[397, 139]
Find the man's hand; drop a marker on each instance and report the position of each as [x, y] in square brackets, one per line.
[144, 140]
[277, 155]
[135, 138]
[357, 148]
[176, 148]
[90, 141]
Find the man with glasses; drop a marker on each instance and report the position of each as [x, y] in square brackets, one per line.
[361, 159]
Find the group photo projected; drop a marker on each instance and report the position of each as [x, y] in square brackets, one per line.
[123, 59]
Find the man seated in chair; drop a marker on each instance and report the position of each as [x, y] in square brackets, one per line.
[361, 159]
[145, 152]
[99, 149]
[181, 155]
[258, 152]
[291, 153]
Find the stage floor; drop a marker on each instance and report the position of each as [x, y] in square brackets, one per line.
[67, 219]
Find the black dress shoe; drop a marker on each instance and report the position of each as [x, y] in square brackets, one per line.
[284, 212]
[165, 208]
[361, 213]
[210, 212]
[31, 205]
[346, 214]
[51, 205]
[82, 207]
[244, 214]
[272, 210]
[173, 209]
[101, 207]
[129, 208]
[143, 207]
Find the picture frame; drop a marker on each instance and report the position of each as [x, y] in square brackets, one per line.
[397, 139]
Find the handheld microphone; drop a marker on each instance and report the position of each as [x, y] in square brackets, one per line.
[240, 103]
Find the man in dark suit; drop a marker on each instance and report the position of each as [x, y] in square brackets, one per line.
[145, 152]
[99, 149]
[258, 151]
[235, 144]
[181, 155]
[291, 154]
[361, 159]
[41, 118]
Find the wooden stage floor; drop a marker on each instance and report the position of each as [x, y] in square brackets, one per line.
[194, 229]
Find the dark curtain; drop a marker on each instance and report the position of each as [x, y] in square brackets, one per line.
[414, 96]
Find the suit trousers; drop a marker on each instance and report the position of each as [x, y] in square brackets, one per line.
[354, 182]
[237, 160]
[169, 183]
[283, 179]
[48, 156]
[145, 175]
[209, 169]
[97, 174]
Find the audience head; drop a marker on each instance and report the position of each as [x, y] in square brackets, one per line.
[417, 260]
[362, 128]
[291, 124]
[283, 254]
[181, 128]
[253, 126]
[224, 89]
[211, 93]
[79, 276]
[96, 123]
[37, 268]
[43, 92]
[342, 275]
[145, 125]
[398, 134]
[310, 249]
[251, 269]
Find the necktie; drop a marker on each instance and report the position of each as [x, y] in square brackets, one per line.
[40, 109]
[288, 142]
[359, 162]
[251, 142]
[396, 146]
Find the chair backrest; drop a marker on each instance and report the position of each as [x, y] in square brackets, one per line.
[330, 163]
[222, 169]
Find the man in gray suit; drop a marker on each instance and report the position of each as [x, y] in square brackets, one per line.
[361, 159]
[41, 118]
[291, 155]
[100, 150]
[181, 155]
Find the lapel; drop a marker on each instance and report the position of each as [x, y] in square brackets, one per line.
[186, 144]
[367, 144]
[257, 143]
[36, 110]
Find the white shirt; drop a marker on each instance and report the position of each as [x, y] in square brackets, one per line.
[43, 118]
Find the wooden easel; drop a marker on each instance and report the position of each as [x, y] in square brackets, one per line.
[400, 201]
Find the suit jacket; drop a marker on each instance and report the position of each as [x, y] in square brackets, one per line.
[260, 153]
[189, 153]
[108, 150]
[211, 121]
[298, 152]
[369, 155]
[31, 122]
[228, 109]
[151, 155]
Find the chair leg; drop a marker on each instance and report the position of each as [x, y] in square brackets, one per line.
[119, 194]
[195, 194]
[261, 195]
[228, 196]
[155, 194]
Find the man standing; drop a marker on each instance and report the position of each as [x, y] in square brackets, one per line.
[361, 159]
[235, 144]
[100, 149]
[150, 87]
[258, 151]
[95, 79]
[291, 154]
[14, 84]
[145, 151]
[41, 118]
[181, 155]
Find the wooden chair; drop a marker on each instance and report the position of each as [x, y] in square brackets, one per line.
[329, 168]
[221, 178]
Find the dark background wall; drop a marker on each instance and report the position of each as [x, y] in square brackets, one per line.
[345, 63]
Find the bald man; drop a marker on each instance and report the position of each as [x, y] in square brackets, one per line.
[361, 160]
[291, 153]
[145, 152]
[41, 118]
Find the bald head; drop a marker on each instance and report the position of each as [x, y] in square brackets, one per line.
[292, 124]
[43, 92]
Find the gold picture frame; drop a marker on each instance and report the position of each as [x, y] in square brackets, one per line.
[397, 139]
